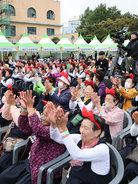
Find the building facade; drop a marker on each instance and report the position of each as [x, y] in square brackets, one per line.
[35, 17]
[72, 25]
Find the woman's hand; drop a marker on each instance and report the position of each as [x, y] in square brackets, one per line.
[27, 98]
[10, 98]
[135, 117]
[23, 104]
[50, 113]
[96, 100]
[62, 120]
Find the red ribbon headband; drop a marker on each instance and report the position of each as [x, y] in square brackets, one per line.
[10, 87]
[89, 115]
[45, 102]
[131, 76]
[97, 73]
[48, 78]
[8, 70]
[65, 75]
[90, 83]
[111, 92]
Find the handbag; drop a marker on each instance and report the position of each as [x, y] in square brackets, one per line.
[76, 120]
[133, 155]
[10, 142]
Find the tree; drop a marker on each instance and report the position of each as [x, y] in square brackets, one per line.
[103, 21]
[55, 39]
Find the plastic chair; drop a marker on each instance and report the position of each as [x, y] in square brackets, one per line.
[116, 165]
[131, 110]
[3, 130]
[2, 91]
[17, 148]
[49, 164]
[134, 181]
[126, 126]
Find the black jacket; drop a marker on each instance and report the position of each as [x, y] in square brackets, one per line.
[102, 64]
[132, 49]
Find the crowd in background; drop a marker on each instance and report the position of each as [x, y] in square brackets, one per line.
[64, 104]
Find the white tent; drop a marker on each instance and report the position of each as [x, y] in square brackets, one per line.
[5, 45]
[47, 44]
[26, 44]
[82, 44]
[107, 44]
[95, 42]
[65, 44]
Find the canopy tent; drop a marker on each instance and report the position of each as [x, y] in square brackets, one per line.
[5, 45]
[47, 44]
[82, 44]
[65, 44]
[107, 44]
[26, 44]
[95, 42]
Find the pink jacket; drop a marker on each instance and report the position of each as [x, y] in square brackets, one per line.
[114, 118]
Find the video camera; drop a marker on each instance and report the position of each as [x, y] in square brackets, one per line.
[120, 36]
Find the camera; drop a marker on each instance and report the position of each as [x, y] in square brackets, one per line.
[120, 36]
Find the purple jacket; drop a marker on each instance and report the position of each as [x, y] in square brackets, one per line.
[44, 149]
[101, 91]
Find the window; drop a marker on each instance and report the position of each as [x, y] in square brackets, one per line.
[31, 30]
[31, 13]
[10, 11]
[10, 31]
[50, 15]
[50, 32]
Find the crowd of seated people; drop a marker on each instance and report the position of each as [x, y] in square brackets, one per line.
[60, 105]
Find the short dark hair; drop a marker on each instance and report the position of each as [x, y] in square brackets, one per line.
[101, 53]
[99, 75]
[100, 121]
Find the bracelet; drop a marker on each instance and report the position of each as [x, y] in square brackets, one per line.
[24, 110]
[101, 113]
[73, 100]
[120, 87]
[12, 105]
[65, 133]
[79, 99]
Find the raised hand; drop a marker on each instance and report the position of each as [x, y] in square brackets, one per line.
[27, 98]
[50, 113]
[95, 100]
[10, 98]
[62, 119]
[22, 102]
[135, 117]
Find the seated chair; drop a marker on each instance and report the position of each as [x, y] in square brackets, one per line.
[126, 127]
[19, 146]
[117, 167]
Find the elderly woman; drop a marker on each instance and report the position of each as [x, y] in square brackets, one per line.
[91, 157]
[76, 105]
[112, 114]
[6, 80]
[43, 149]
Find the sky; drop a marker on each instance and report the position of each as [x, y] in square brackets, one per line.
[75, 8]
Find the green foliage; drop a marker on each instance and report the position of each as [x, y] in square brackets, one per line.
[103, 21]
[55, 39]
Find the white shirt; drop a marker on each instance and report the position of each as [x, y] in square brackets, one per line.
[81, 74]
[31, 79]
[73, 105]
[134, 130]
[8, 82]
[98, 156]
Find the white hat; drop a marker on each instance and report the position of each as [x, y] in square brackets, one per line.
[65, 78]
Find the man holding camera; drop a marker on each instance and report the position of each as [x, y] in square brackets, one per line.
[132, 51]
